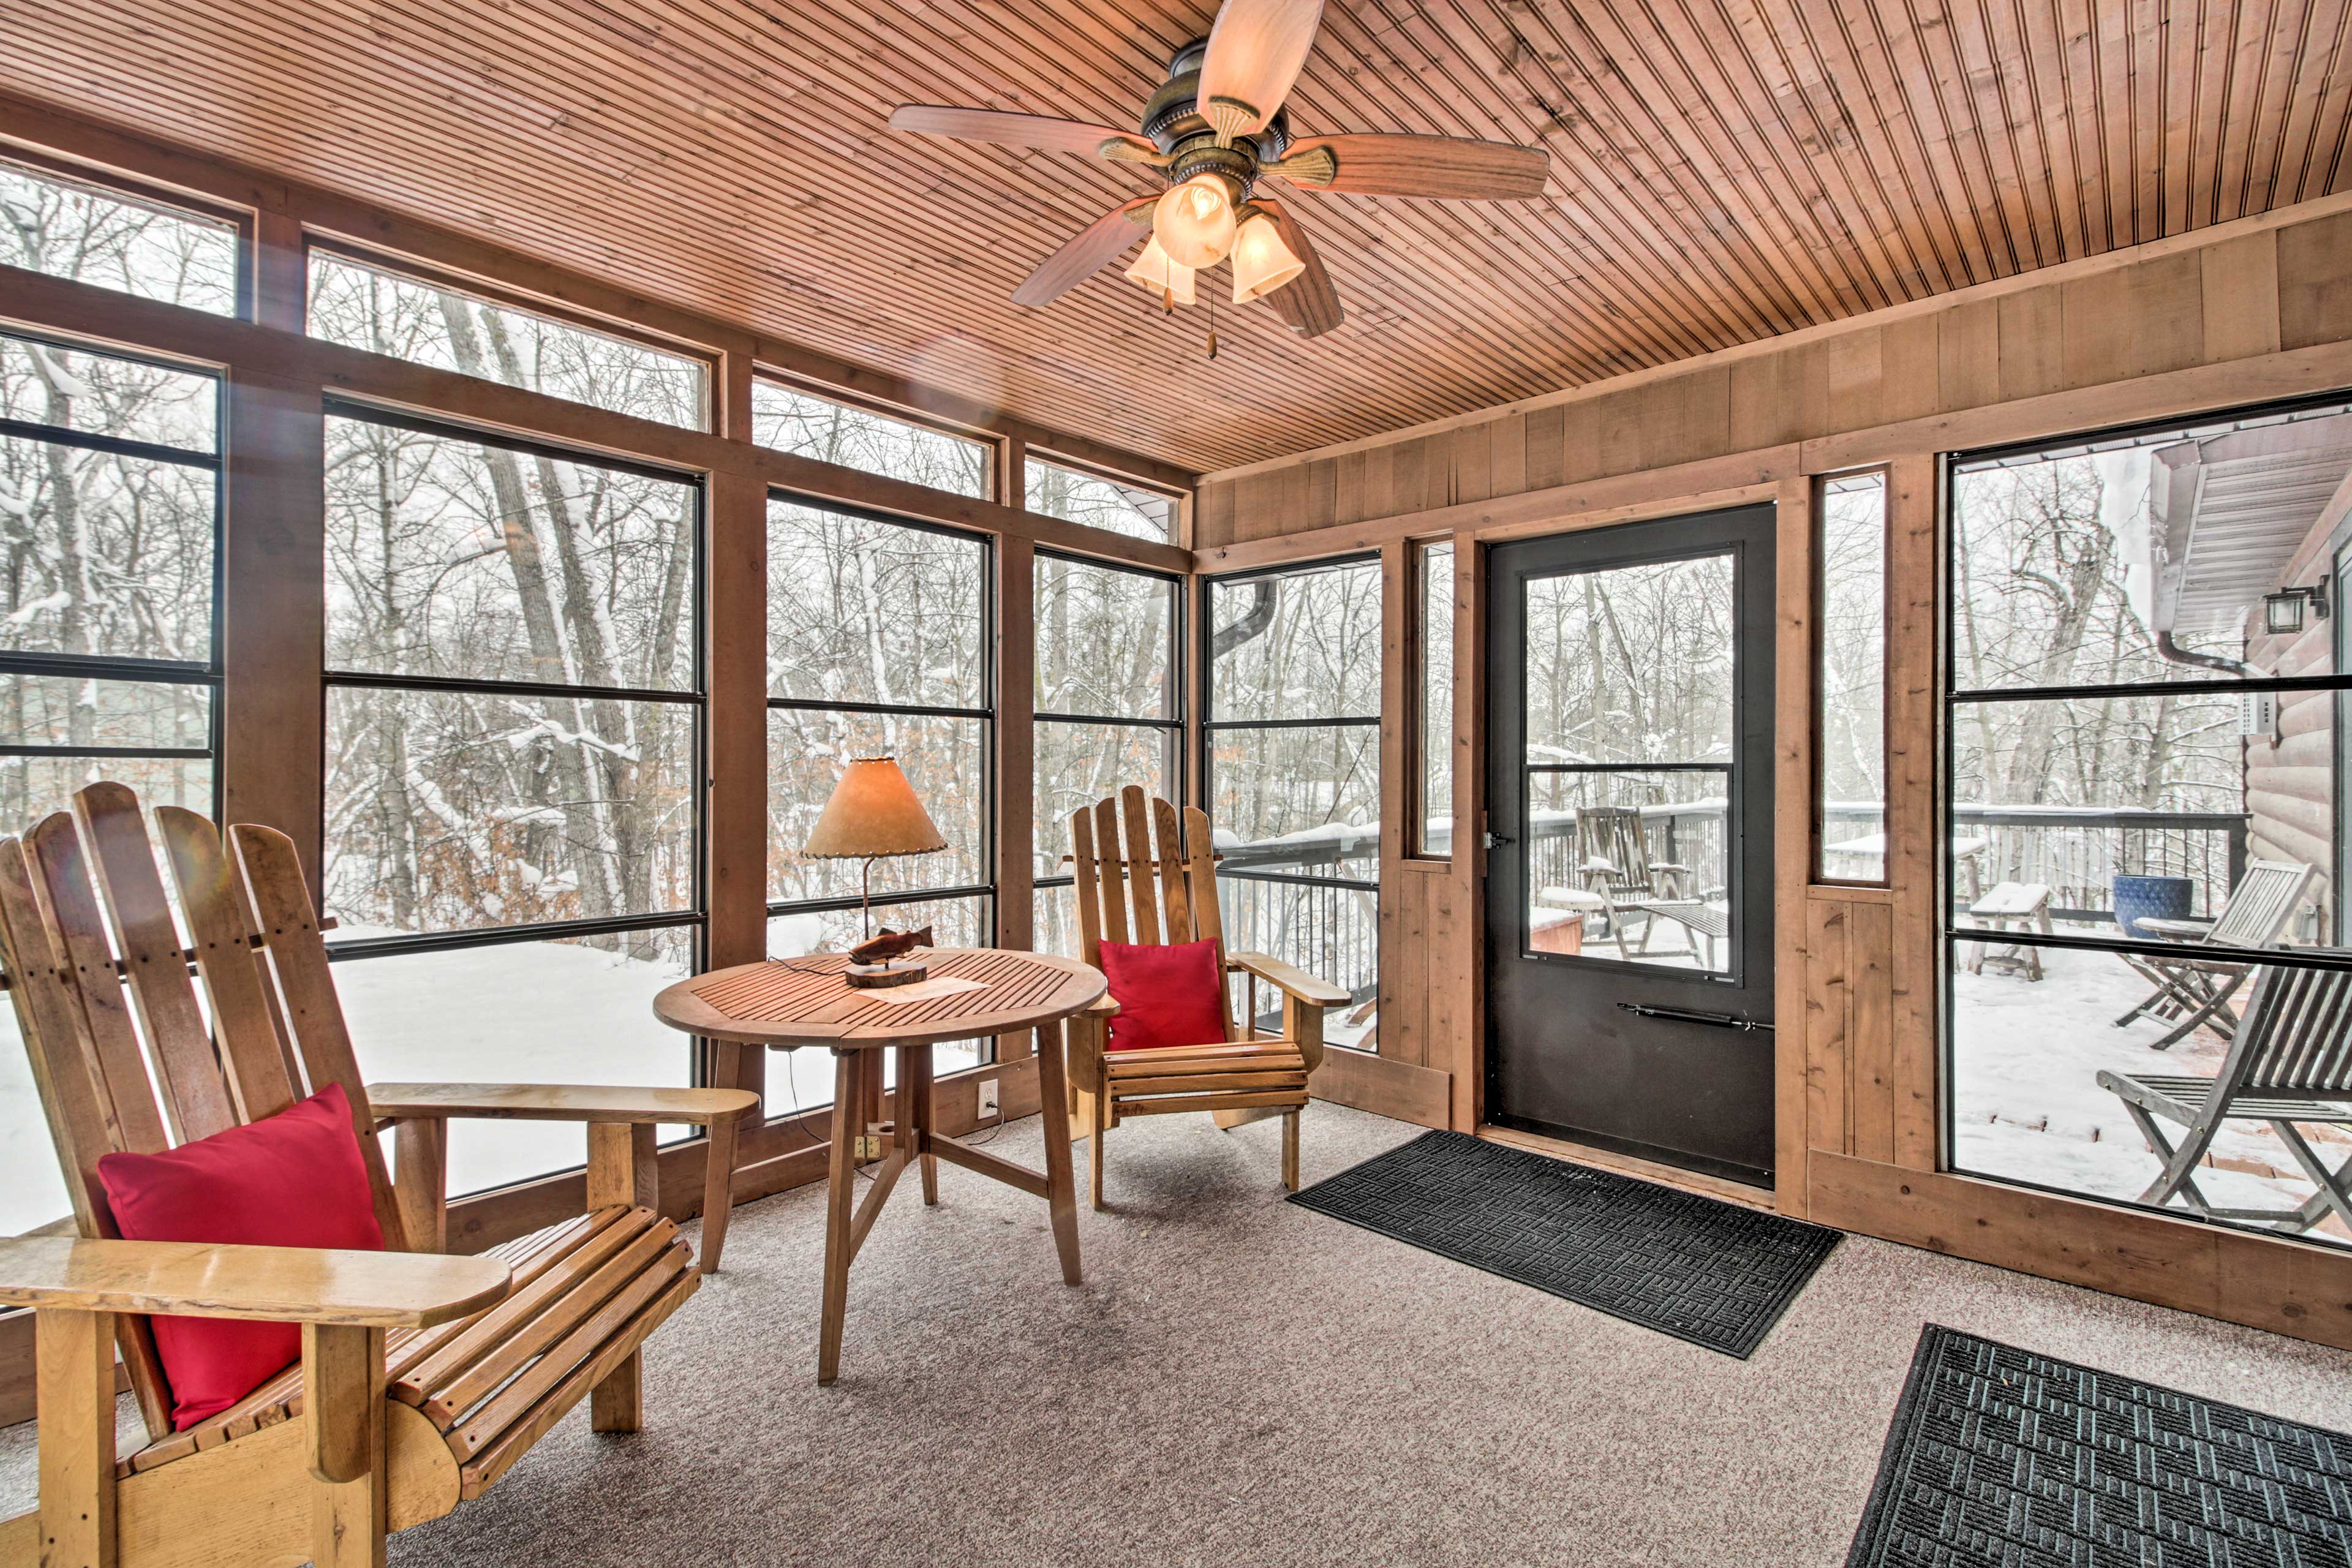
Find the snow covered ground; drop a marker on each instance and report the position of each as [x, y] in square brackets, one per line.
[516, 1013]
[2027, 1104]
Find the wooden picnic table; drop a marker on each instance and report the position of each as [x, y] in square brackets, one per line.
[791, 1003]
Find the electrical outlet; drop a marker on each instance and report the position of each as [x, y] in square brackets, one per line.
[987, 1097]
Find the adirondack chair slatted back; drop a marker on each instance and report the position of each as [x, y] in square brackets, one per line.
[1614, 834]
[2264, 900]
[1134, 854]
[124, 1060]
[2296, 1036]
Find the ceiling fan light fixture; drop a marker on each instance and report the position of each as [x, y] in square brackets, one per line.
[1194, 222]
[1262, 262]
[1162, 278]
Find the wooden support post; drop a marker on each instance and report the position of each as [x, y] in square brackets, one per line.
[274, 621]
[735, 831]
[420, 1154]
[74, 1393]
[343, 1416]
[1792, 840]
[1016, 765]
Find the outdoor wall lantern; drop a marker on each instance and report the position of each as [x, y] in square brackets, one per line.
[2282, 611]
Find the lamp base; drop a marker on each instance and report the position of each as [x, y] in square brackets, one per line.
[892, 972]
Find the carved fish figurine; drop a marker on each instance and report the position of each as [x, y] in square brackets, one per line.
[889, 944]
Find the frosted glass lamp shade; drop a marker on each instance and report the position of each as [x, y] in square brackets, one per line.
[1163, 277]
[873, 812]
[1262, 263]
[1194, 222]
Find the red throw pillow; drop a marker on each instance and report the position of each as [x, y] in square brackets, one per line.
[1170, 995]
[295, 1179]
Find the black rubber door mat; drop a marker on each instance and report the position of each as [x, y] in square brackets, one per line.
[1997, 1456]
[1700, 1270]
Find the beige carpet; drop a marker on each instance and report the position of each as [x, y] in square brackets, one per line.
[1240, 1381]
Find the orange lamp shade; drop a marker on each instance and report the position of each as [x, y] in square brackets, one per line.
[873, 812]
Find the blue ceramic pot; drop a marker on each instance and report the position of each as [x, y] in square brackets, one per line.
[2140, 898]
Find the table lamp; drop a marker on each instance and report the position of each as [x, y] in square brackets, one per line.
[874, 814]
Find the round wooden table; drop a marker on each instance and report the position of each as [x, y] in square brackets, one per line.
[786, 1004]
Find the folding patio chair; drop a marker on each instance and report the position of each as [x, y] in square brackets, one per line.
[1617, 867]
[2198, 990]
[2291, 1062]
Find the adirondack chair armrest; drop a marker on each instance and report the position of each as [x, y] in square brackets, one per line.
[624, 1162]
[1088, 1034]
[269, 1284]
[556, 1102]
[1290, 980]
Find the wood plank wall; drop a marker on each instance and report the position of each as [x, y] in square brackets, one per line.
[2247, 311]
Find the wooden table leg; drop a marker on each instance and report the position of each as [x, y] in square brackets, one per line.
[1053, 1093]
[841, 1176]
[916, 1111]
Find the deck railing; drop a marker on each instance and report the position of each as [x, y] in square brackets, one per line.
[1312, 901]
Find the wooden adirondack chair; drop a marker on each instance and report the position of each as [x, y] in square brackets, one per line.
[2291, 1062]
[1614, 847]
[2197, 990]
[410, 1397]
[1172, 895]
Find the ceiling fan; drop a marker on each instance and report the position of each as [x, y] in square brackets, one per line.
[1215, 129]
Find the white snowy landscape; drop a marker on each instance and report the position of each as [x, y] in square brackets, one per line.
[2027, 1106]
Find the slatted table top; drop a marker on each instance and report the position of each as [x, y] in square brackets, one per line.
[794, 1002]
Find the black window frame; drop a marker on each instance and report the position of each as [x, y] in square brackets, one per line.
[1816, 837]
[1950, 934]
[992, 444]
[207, 672]
[403, 270]
[1172, 726]
[1053, 459]
[984, 893]
[1413, 835]
[695, 698]
[238, 221]
[1210, 726]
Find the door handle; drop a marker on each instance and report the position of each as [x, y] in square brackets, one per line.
[1682, 1015]
[1494, 840]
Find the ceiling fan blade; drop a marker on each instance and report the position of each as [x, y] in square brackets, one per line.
[1007, 130]
[1256, 51]
[1097, 246]
[1449, 166]
[1308, 302]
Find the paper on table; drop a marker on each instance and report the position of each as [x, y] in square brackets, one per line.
[924, 990]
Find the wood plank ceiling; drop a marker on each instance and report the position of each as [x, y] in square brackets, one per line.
[1724, 170]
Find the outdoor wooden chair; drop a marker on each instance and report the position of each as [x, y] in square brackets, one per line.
[2196, 990]
[422, 1379]
[2291, 1063]
[1172, 896]
[1614, 852]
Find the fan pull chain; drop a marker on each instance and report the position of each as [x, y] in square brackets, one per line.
[1212, 324]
